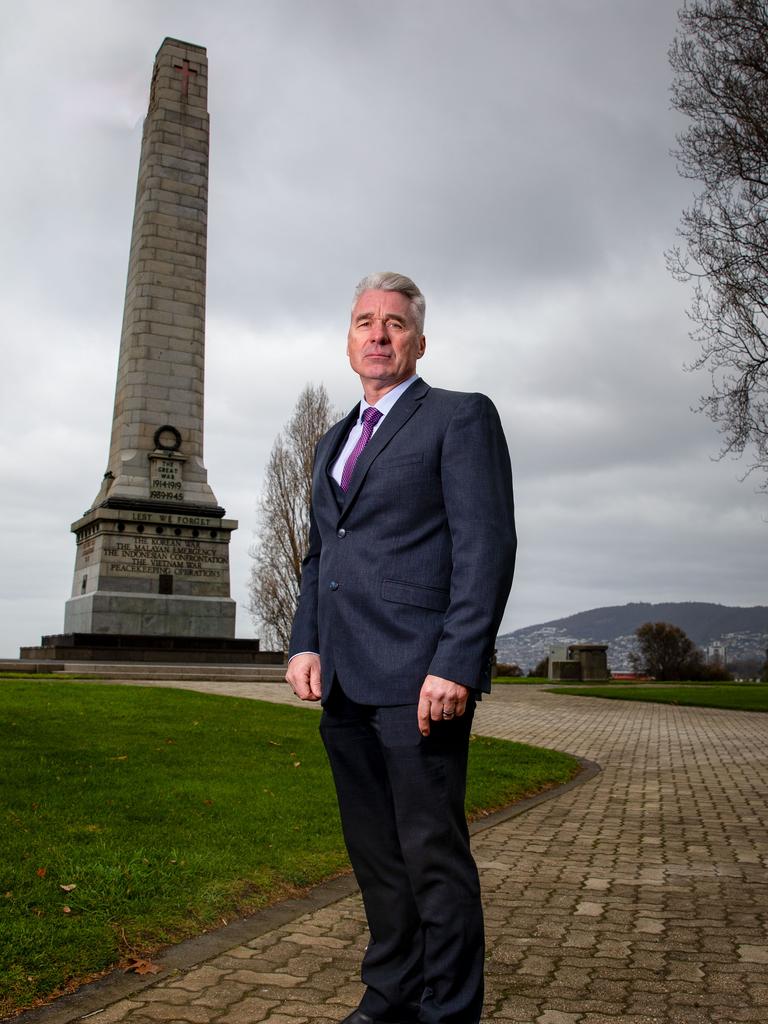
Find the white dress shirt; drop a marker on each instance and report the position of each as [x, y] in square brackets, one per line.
[383, 405]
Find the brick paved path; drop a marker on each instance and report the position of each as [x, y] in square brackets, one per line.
[640, 896]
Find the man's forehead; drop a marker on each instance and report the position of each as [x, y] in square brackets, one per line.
[375, 300]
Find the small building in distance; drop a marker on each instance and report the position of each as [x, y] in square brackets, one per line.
[717, 654]
[579, 663]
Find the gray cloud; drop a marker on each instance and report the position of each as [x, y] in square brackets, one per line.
[514, 158]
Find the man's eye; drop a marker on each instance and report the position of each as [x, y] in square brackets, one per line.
[363, 323]
[395, 325]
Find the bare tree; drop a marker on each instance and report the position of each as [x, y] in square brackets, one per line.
[283, 517]
[720, 63]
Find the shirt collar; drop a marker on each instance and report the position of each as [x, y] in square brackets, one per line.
[385, 404]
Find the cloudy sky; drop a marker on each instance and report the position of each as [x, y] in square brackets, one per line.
[510, 155]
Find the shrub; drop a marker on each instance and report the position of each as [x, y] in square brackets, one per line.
[541, 670]
[505, 668]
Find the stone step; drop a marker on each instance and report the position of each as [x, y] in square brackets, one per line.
[152, 671]
[223, 673]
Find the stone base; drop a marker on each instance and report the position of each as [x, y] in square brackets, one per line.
[150, 615]
[565, 670]
[102, 647]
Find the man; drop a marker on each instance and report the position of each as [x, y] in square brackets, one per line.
[412, 548]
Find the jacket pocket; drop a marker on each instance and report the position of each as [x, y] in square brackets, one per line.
[407, 459]
[416, 594]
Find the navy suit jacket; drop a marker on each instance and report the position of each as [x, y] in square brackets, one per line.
[408, 574]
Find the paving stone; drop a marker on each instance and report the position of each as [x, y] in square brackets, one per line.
[248, 1010]
[282, 980]
[279, 1018]
[160, 1011]
[118, 1011]
[538, 965]
[754, 954]
[199, 979]
[649, 925]
[222, 995]
[324, 941]
[650, 1002]
[597, 883]
[178, 996]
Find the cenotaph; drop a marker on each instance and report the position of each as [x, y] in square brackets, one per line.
[153, 550]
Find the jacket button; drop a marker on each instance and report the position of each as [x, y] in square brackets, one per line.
[341, 533]
[333, 585]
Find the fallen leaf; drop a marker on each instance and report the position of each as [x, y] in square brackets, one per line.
[41, 872]
[296, 764]
[66, 910]
[68, 888]
[142, 967]
[121, 757]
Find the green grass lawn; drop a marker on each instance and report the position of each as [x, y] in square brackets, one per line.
[518, 680]
[736, 696]
[133, 817]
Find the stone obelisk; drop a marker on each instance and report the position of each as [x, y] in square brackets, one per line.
[153, 550]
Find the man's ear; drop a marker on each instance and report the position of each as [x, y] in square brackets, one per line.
[422, 346]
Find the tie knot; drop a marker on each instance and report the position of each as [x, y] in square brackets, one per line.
[371, 416]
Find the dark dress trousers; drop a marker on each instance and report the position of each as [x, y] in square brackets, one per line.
[407, 575]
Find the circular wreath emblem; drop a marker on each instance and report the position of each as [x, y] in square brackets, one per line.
[161, 439]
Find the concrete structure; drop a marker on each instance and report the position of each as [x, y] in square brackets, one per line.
[558, 652]
[584, 662]
[565, 670]
[717, 654]
[153, 549]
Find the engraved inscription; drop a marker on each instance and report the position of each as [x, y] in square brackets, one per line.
[155, 556]
[172, 519]
[165, 479]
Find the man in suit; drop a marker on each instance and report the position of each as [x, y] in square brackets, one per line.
[411, 555]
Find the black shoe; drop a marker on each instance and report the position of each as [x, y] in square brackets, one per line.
[358, 1017]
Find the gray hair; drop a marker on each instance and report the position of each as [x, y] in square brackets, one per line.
[387, 281]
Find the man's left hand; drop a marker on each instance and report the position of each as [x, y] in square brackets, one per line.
[440, 700]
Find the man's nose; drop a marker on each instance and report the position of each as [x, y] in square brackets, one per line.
[379, 332]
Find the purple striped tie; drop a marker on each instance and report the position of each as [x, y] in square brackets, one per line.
[370, 418]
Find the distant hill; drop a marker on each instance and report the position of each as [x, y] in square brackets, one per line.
[744, 631]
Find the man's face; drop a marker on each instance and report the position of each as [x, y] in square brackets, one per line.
[382, 343]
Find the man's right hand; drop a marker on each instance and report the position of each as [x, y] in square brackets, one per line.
[304, 676]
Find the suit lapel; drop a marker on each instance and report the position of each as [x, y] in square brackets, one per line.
[334, 442]
[395, 419]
